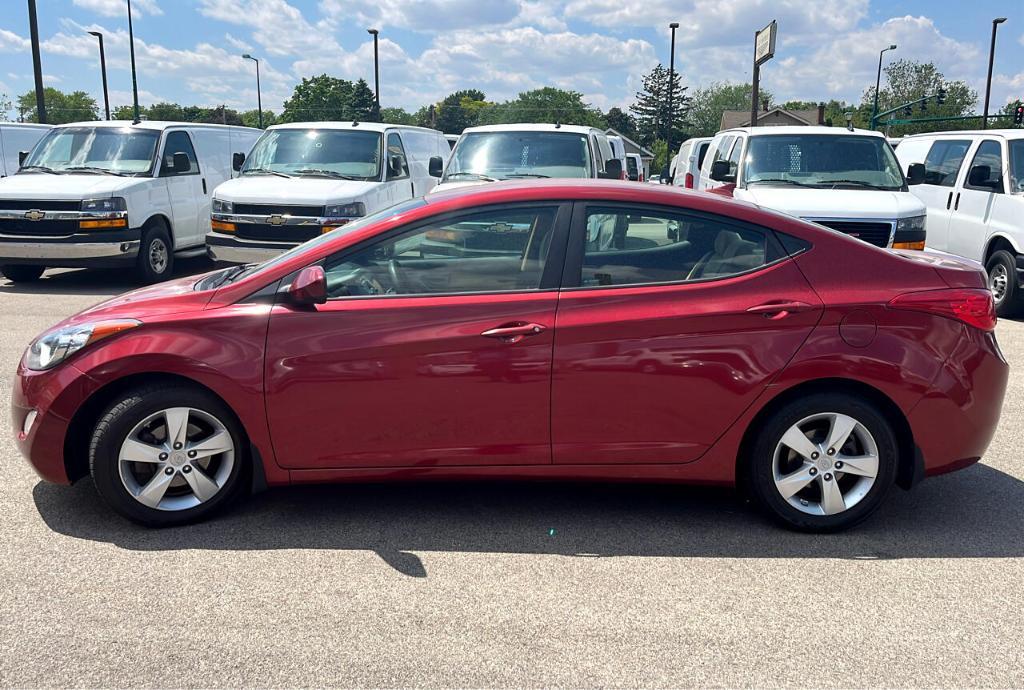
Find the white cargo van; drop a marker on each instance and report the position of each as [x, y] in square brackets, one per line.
[689, 161]
[16, 140]
[848, 180]
[105, 194]
[974, 190]
[523, 151]
[619, 152]
[304, 178]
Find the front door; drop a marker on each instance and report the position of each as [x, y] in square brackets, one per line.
[433, 349]
[186, 191]
[942, 166]
[981, 188]
[677, 322]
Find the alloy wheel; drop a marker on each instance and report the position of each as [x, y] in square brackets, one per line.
[176, 459]
[158, 256]
[825, 464]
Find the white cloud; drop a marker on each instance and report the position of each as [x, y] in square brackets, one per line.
[11, 42]
[117, 8]
[427, 16]
[278, 27]
[238, 43]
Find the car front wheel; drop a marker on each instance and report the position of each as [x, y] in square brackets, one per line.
[20, 273]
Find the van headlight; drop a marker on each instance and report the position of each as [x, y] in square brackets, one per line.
[52, 348]
[909, 224]
[352, 210]
[221, 206]
[108, 205]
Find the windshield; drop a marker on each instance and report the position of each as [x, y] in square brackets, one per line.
[121, 150]
[822, 160]
[1016, 166]
[510, 155]
[317, 153]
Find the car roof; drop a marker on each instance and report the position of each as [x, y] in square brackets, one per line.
[350, 124]
[25, 125]
[798, 129]
[533, 127]
[158, 125]
[1006, 133]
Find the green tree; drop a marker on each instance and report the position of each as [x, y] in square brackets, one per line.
[125, 112]
[397, 116]
[651, 108]
[621, 121]
[459, 110]
[423, 116]
[908, 80]
[660, 150]
[170, 112]
[319, 98]
[1007, 112]
[251, 118]
[360, 102]
[708, 104]
[61, 107]
[5, 106]
[547, 104]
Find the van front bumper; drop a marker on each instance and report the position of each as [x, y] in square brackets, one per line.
[89, 250]
[231, 249]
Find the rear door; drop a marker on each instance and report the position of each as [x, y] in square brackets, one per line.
[185, 190]
[669, 326]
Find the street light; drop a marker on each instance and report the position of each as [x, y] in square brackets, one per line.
[671, 91]
[991, 57]
[376, 74]
[259, 98]
[103, 70]
[135, 83]
[878, 80]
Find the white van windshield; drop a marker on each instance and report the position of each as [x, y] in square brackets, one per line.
[95, 150]
[344, 154]
[505, 155]
[822, 160]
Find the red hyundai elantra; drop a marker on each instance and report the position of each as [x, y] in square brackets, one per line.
[592, 330]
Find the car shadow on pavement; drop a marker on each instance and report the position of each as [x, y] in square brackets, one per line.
[976, 513]
[110, 281]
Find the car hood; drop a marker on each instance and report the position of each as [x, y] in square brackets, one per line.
[834, 203]
[445, 186]
[172, 297]
[316, 191]
[64, 187]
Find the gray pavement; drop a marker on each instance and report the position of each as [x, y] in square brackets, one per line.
[504, 584]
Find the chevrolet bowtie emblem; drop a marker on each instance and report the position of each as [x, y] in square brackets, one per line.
[34, 214]
[275, 220]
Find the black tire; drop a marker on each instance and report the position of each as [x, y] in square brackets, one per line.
[20, 273]
[760, 462]
[121, 418]
[1004, 263]
[149, 269]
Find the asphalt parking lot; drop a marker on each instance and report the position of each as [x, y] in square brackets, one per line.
[504, 585]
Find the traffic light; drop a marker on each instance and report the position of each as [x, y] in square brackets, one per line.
[940, 97]
[908, 111]
[1018, 115]
[924, 105]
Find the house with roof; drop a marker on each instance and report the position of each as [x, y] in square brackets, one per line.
[774, 117]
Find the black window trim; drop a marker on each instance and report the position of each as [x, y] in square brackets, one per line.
[573, 269]
[550, 276]
[387, 157]
[163, 155]
[974, 157]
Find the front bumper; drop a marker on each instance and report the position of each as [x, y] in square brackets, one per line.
[96, 249]
[231, 249]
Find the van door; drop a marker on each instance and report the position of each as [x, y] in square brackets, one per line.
[398, 184]
[981, 187]
[184, 190]
[942, 167]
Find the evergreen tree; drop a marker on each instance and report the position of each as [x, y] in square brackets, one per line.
[651, 108]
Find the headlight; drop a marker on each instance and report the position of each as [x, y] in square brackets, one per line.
[221, 206]
[50, 349]
[915, 223]
[352, 210]
[108, 205]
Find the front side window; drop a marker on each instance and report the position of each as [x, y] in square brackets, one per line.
[398, 164]
[829, 161]
[99, 150]
[634, 247]
[489, 251]
[1016, 147]
[734, 156]
[510, 155]
[178, 142]
[343, 154]
[986, 171]
[942, 164]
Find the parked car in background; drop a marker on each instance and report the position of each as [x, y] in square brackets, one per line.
[746, 346]
[619, 152]
[974, 191]
[16, 140]
[305, 178]
[634, 167]
[689, 160]
[523, 151]
[109, 194]
[849, 180]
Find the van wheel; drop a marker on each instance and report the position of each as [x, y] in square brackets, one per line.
[21, 273]
[1002, 281]
[156, 254]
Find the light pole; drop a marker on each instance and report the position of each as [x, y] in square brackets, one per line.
[259, 98]
[37, 68]
[991, 57]
[878, 81]
[376, 74]
[103, 70]
[131, 47]
[671, 92]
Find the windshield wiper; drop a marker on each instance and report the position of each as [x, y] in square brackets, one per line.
[93, 169]
[40, 168]
[476, 176]
[312, 172]
[527, 175]
[780, 181]
[267, 171]
[859, 183]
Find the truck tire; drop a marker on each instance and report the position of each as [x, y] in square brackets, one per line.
[20, 273]
[1002, 281]
[156, 254]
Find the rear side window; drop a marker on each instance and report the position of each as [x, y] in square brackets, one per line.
[734, 156]
[986, 171]
[943, 162]
[722, 149]
[639, 246]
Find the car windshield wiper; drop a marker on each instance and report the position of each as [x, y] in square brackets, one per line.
[93, 169]
[265, 171]
[312, 172]
[476, 176]
[527, 175]
[780, 180]
[40, 168]
[859, 183]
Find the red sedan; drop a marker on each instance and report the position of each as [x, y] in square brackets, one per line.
[592, 330]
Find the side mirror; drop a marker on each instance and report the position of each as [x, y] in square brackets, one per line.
[435, 167]
[978, 176]
[915, 174]
[179, 164]
[395, 166]
[237, 160]
[309, 287]
[22, 155]
[720, 172]
[613, 169]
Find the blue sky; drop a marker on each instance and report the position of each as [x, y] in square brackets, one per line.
[188, 50]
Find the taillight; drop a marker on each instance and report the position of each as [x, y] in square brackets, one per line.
[688, 181]
[973, 306]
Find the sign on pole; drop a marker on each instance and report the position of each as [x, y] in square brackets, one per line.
[764, 50]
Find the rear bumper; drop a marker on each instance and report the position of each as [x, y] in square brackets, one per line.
[222, 247]
[78, 250]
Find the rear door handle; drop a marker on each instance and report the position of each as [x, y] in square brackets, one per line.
[956, 204]
[514, 332]
[779, 310]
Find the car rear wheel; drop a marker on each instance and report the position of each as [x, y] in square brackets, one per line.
[823, 463]
[1002, 281]
[20, 273]
[167, 455]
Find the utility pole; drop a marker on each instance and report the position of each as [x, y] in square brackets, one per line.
[376, 75]
[131, 46]
[37, 67]
[671, 90]
[878, 81]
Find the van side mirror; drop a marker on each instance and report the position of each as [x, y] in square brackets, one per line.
[22, 156]
[435, 166]
[180, 164]
[309, 287]
[915, 174]
[613, 169]
[720, 172]
[979, 176]
[395, 165]
[237, 160]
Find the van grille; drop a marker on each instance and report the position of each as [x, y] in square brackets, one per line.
[876, 233]
[276, 233]
[42, 205]
[41, 228]
[278, 209]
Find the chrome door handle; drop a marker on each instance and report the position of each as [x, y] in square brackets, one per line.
[514, 332]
